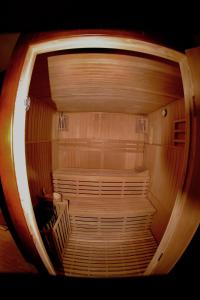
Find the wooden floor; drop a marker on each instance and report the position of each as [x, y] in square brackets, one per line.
[86, 258]
[11, 260]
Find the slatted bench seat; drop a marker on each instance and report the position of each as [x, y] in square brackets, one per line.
[110, 218]
[110, 207]
[109, 258]
[96, 182]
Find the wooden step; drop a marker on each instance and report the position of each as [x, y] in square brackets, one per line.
[110, 218]
[102, 228]
[85, 258]
[111, 207]
[97, 182]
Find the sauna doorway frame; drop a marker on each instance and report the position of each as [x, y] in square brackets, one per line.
[165, 257]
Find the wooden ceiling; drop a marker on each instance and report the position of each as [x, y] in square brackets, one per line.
[112, 82]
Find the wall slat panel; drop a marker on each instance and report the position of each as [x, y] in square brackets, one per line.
[39, 147]
[98, 140]
[164, 161]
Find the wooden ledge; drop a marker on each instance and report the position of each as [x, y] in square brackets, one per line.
[111, 207]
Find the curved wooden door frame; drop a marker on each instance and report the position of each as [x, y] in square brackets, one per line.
[12, 128]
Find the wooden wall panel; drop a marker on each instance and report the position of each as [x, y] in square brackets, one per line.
[164, 161]
[38, 157]
[40, 85]
[101, 126]
[38, 147]
[98, 140]
[38, 120]
[161, 128]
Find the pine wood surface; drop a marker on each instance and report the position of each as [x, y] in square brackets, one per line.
[105, 183]
[165, 161]
[99, 245]
[109, 235]
[38, 147]
[108, 258]
[98, 140]
[126, 83]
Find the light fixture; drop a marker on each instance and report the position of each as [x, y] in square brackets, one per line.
[164, 112]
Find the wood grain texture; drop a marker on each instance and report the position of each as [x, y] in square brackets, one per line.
[110, 218]
[163, 134]
[98, 140]
[103, 237]
[185, 217]
[108, 258]
[39, 85]
[125, 83]
[11, 260]
[61, 229]
[117, 227]
[165, 161]
[38, 147]
[100, 183]
[179, 132]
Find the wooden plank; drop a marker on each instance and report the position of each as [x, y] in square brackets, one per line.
[185, 216]
[166, 158]
[38, 147]
[60, 231]
[87, 77]
[109, 236]
[104, 207]
[94, 182]
[107, 259]
[98, 140]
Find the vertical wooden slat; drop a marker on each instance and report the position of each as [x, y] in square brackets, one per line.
[88, 143]
[38, 147]
[60, 229]
[164, 159]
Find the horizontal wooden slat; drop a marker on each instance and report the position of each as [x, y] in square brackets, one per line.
[112, 207]
[106, 246]
[99, 140]
[112, 232]
[100, 172]
[78, 144]
[108, 259]
[97, 182]
[110, 219]
[165, 160]
[126, 83]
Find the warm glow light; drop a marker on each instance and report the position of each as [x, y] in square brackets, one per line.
[100, 41]
[20, 159]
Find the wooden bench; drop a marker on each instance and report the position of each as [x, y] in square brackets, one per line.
[73, 183]
[109, 214]
[105, 203]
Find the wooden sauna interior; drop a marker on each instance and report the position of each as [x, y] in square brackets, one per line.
[105, 130]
